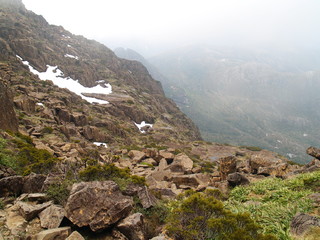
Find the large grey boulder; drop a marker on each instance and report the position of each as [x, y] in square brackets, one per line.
[30, 211]
[11, 186]
[97, 204]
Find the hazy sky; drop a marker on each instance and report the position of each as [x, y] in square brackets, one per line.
[167, 23]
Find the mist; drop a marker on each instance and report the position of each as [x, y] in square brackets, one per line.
[151, 26]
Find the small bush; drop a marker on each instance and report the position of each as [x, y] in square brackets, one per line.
[110, 172]
[59, 192]
[200, 216]
[47, 130]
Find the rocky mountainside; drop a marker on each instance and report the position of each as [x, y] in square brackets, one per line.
[90, 146]
[261, 97]
[135, 97]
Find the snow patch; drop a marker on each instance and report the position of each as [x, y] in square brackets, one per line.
[65, 36]
[100, 144]
[69, 45]
[40, 104]
[143, 124]
[279, 141]
[305, 135]
[54, 74]
[71, 56]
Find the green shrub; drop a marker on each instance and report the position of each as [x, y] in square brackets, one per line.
[110, 172]
[59, 192]
[200, 216]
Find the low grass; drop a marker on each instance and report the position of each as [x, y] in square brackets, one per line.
[273, 202]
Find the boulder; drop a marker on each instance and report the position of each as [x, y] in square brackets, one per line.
[314, 152]
[189, 181]
[183, 161]
[258, 161]
[54, 234]
[166, 155]
[279, 170]
[136, 155]
[302, 222]
[30, 211]
[150, 152]
[235, 179]
[11, 186]
[133, 227]
[52, 216]
[33, 183]
[97, 204]
[227, 165]
[75, 236]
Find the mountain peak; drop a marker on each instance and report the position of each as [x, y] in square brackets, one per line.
[11, 4]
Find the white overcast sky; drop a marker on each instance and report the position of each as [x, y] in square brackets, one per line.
[168, 23]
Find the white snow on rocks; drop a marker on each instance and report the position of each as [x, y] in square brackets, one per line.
[71, 56]
[305, 135]
[65, 36]
[40, 104]
[100, 144]
[143, 124]
[54, 74]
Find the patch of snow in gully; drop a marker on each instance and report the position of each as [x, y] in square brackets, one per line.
[143, 124]
[54, 74]
[71, 56]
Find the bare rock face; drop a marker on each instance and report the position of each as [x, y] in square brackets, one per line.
[303, 222]
[314, 152]
[25, 104]
[8, 119]
[97, 204]
[257, 162]
[227, 165]
[133, 227]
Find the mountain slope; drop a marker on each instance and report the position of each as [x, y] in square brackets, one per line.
[266, 98]
[135, 97]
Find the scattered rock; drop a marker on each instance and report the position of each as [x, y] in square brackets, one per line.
[133, 227]
[54, 234]
[302, 222]
[52, 216]
[97, 204]
[33, 197]
[279, 170]
[161, 237]
[166, 155]
[14, 221]
[136, 155]
[30, 211]
[147, 199]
